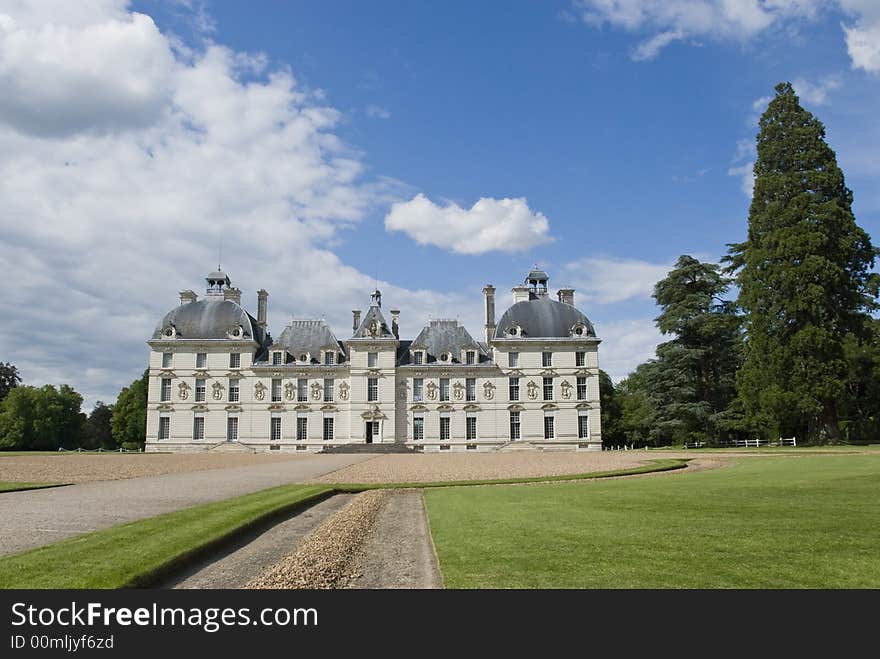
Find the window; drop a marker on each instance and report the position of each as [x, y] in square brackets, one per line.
[302, 390]
[329, 358]
[548, 427]
[583, 427]
[328, 428]
[233, 390]
[580, 358]
[276, 390]
[470, 357]
[513, 359]
[201, 359]
[444, 389]
[546, 359]
[471, 427]
[234, 360]
[514, 425]
[232, 429]
[444, 428]
[582, 388]
[513, 389]
[418, 428]
[328, 390]
[418, 387]
[198, 427]
[302, 428]
[200, 390]
[166, 390]
[418, 357]
[470, 389]
[372, 389]
[276, 358]
[275, 429]
[548, 388]
[166, 359]
[372, 359]
[164, 427]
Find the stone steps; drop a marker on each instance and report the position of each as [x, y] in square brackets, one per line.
[231, 447]
[369, 448]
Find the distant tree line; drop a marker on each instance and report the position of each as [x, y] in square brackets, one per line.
[48, 418]
[797, 353]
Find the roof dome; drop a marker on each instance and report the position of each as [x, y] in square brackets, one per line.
[543, 318]
[209, 319]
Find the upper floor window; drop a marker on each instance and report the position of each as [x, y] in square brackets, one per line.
[580, 358]
[372, 389]
[201, 359]
[328, 390]
[329, 358]
[277, 358]
[166, 359]
[372, 359]
[234, 360]
[200, 390]
[444, 389]
[418, 388]
[302, 390]
[276, 390]
[166, 390]
[418, 357]
[233, 390]
[513, 359]
[470, 357]
[548, 388]
[546, 359]
[470, 389]
[581, 388]
[513, 389]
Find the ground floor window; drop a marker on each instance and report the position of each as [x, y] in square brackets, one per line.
[549, 430]
[275, 429]
[418, 428]
[583, 426]
[471, 428]
[328, 428]
[164, 427]
[444, 428]
[302, 428]
[199, 427]
[514, 425]
[232, 429]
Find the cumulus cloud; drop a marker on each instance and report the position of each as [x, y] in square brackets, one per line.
[609, 280]
[863, 36]
[626, 344]
[816, 93]
[743, 164]
[505, 225]
[106, 213]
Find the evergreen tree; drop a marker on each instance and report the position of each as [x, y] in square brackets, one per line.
[129, 418]
[609, 402]
[804, 275]
[97, 432]
[9, 379]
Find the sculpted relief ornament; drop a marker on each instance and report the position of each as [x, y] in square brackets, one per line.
[488, 391]
[457, 391]
[532, 390]
[431, 391]
[566, 389]
[260, 391]
[316, 391]
[183, 390]
[217, 390]
[288, 391]
[343, 391]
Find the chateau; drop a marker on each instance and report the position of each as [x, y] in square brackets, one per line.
[217, 377]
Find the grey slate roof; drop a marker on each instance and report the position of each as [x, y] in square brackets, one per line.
[210, 318]
[373, 314]
[542, 317]
[441, 336]
[307, 336]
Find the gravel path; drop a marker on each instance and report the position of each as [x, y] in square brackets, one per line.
[37, 517]
[248, 558]
[326, 558]
[399, 551]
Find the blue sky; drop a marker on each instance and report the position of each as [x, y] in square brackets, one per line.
[605, 138]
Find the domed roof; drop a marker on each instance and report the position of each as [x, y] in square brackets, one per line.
[543, 318]
[209, 319]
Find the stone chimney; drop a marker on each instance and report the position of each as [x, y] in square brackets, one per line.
[232, 294]
[566, 295]
[520, 294]
[489, 295]
[188, 296]
[395, 316]
[356, 319]
[262, 307]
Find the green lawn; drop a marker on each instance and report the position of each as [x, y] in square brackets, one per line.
[767, 522]
[13, 486]
[136, 553]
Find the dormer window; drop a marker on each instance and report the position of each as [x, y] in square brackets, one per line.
[170, 332]
[236, 332]
[418, 358]
[329, 358]
[470, 357]
[303, 358]
[579, 330]
[445, 357]
[277, 358]
[514, 330]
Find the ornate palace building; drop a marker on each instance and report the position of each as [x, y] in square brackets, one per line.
[219, 380]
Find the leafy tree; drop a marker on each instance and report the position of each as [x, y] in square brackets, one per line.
[638, 413]
[804, 274]
[42, 418]
[129, 418]
[97, 432]
[860, 407]
[612, 431]
[9, 379]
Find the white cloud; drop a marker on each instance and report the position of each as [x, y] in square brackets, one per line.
[863, 43]
[609, 280]
[505, 225]
[816, 93]
[743, 163]
[378, 112]
[625, 345]
[648, 50]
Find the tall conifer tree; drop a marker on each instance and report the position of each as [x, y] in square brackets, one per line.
[804, 274]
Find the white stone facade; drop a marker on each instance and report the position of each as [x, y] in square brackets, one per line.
[441, 391]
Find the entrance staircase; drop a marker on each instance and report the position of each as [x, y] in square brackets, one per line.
[381, 449]
[231, 447]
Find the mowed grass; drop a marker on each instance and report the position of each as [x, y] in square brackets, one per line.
[137, 553]
[14, 486]
[796, 522]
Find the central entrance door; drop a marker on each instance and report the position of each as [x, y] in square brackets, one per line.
[372, 431]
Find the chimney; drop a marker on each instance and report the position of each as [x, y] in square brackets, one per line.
[188, 296]
[356, 321]
[232, 294]
[395, 314]
[262, 307]
[520, 294]
[489, 295]
[566, 295]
